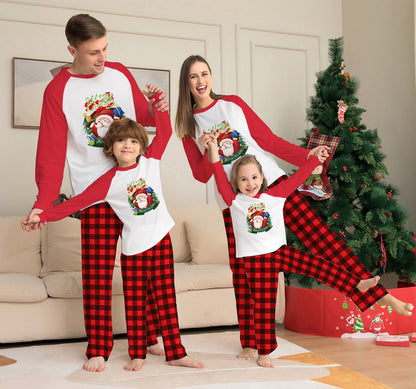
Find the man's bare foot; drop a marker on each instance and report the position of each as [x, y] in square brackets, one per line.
[264, 361]
[398, 306]
[95, 364]
[246, 353]
[186, 362]
[364, 285]
[134, 365]
[156, 349]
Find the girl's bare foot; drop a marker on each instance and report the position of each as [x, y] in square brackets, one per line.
[364, 285]
[156, 349]
[246, 353]
[95, 364]
[186, 362]
[134, 365]
[264, 361]
[398, 306]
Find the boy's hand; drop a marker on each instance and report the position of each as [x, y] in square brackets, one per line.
[162, 105]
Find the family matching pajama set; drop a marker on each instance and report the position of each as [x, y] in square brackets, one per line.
[239, 131]
[76, 113]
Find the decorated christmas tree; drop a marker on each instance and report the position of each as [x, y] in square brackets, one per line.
[358, 326]
[360, 205]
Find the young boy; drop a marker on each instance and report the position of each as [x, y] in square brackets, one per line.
[133, 190]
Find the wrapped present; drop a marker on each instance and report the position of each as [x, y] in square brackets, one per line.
[326, 312]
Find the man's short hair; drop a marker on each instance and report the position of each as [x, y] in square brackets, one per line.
[83, 27]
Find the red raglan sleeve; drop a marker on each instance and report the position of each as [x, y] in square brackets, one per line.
[163, 133]
[143, 115]
[52, 143]
[269, 141]
[285, 188]
[97, 191]
[223, 185]
[201, 167]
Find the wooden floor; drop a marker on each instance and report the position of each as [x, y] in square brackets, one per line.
[392, 366]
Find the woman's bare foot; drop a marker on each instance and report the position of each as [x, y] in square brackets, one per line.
[246, 353]
[186, 362]
[95, 364]
[364, 285]
[134, 365]
[156, 349]
[398, 306]
[264, 361]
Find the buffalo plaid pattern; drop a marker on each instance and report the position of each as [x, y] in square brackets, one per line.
[262, 272]
[303, 220]
[151, 269]
[100, 229]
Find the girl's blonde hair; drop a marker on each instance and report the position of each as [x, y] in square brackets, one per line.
[184, 122]
[245, 160]
[122, 129]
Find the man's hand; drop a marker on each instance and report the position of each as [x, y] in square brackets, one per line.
[32, 221]
[162, 105]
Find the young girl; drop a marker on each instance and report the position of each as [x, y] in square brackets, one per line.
[202, 116]
[257, 217]
[133, 190]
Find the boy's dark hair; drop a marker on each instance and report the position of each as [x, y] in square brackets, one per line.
[83, 27]
[244, 160]
[122, 129]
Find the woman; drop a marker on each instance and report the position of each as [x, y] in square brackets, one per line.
[203, 116]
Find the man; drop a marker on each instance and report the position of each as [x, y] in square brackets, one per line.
[73, 103]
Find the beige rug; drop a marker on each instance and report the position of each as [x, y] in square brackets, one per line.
[59, 366]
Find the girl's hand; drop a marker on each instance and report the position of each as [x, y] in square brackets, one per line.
[212, 152]
[322, 152]
[205, 138]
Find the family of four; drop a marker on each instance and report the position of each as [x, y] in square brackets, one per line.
[93, 116]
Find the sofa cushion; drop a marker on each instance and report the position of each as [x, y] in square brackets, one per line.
[191, 277]
[61, 246]
[21, 288]
[206, 235]
[181, 249]
[69, 284]
[19, 250]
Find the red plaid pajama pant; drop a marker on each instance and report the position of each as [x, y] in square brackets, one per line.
[100, 229]
[152, 269]
[262, 272]
[302, 219]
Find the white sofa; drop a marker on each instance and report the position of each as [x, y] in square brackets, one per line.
[41, 287]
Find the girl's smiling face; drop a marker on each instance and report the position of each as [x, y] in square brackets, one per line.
[249, 179]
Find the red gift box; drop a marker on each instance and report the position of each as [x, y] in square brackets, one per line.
[326, 312]
[393, 340]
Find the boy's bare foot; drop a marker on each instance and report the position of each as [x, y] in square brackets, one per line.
[186, 362]
[246, 353]
[95, 364]
[264, 361]
[156, 349]
[364, 285]
[398, 306]
[134, 365]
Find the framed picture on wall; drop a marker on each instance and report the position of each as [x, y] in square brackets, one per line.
[31, 76]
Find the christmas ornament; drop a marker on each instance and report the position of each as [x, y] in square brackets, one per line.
[317, 185]
[378, 176]
[383, 255]
[342, 107]
[389, 194]
[363, 186]
[388, 214]
[374, 233]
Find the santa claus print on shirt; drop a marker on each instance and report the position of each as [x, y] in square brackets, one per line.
[231, 144]
[258, 219]
[142, 198]
[100, 112]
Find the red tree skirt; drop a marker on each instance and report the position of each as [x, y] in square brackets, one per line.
[329, 313]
